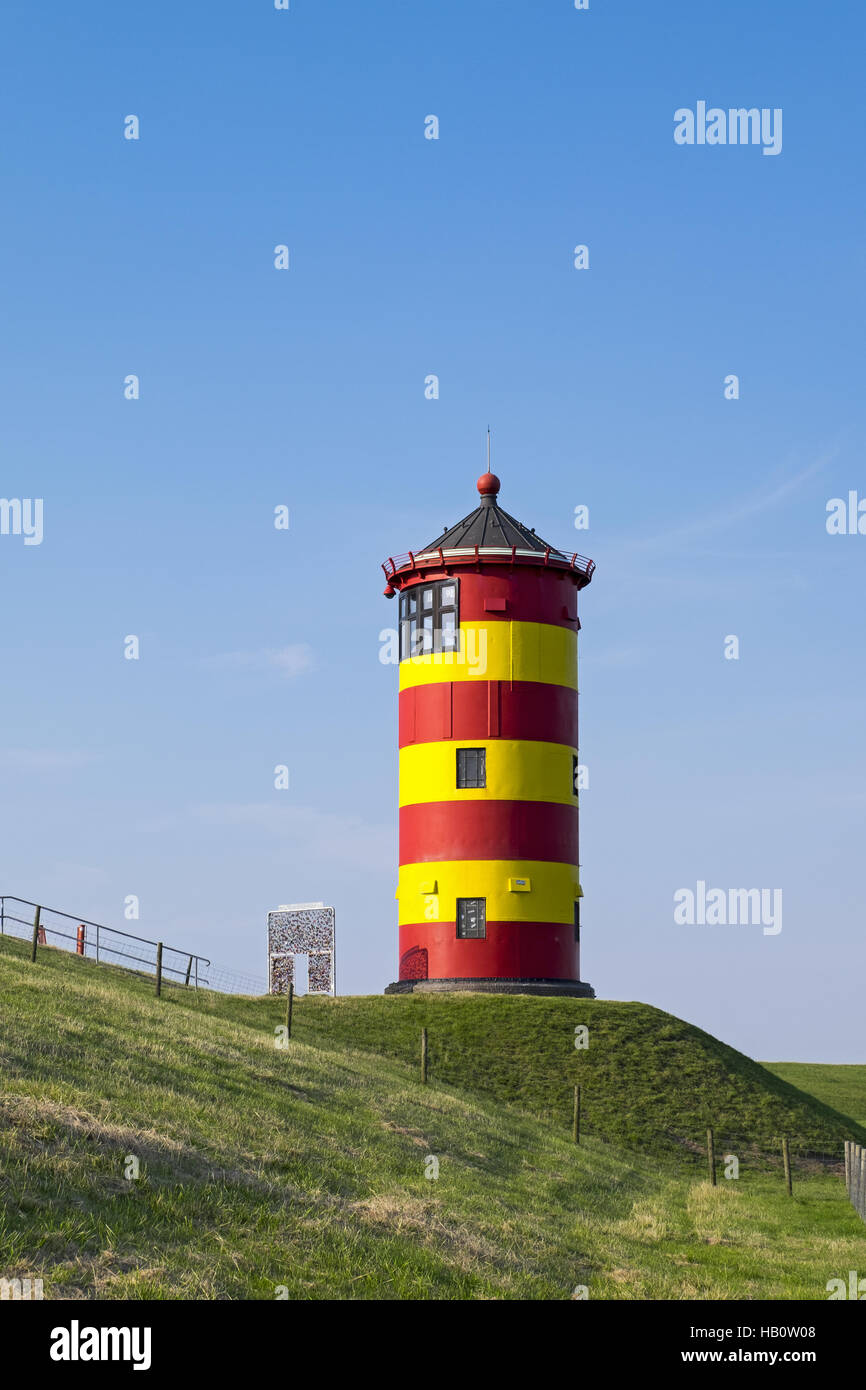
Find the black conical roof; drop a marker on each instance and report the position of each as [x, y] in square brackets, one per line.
[491, 527]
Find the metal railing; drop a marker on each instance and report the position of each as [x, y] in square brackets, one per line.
[507, 554]
[105, 945]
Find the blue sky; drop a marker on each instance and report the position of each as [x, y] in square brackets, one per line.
[305, 387]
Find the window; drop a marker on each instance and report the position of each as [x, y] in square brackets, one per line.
[577, 922]
[472, 767]
[471, 918]
[428, 619]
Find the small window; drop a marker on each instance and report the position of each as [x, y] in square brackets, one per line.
[471, 918]
[472, 767]
[577, 922]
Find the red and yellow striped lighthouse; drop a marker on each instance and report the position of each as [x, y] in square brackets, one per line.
[489, 883]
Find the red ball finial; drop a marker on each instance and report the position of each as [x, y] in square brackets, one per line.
[488, 485]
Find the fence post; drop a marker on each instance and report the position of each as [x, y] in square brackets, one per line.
[861, 1186]
[289, 1006]
[575, 1121]
[188, 970]
[158, 969]
[97, 945]
[424, 1056]
[848, 1166]
[711, 1156]
[786, 1159]
[35, 933]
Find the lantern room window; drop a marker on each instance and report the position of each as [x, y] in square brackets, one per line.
[471, 918]
[429, 619]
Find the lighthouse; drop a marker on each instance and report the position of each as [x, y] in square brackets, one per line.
[489, 887]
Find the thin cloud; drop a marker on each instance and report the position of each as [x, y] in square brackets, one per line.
[44, 759]
[349, 841]
[748, 507]
[298, 659]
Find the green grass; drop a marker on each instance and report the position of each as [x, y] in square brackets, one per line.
[305, 1167]
[649, 1081]
[842, 1087]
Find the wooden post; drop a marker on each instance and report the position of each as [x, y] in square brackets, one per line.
[848, 1166]
[711, 1156]
[33, 945]
[423, 1056]
[786, 1159]
[188, 971]
[158, 969]
[861, 1185]
[290, 1003]
[575, 1121]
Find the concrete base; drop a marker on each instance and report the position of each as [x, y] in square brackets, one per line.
[576, 989]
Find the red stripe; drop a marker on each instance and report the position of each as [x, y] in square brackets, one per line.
[511, 950]
[488, 709]
[442, 831]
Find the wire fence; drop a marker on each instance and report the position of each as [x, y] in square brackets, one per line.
[733, 1149]
[110, 946]
[728, 1151]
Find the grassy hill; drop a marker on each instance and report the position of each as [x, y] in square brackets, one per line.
[649, 1081]
[841, 1087]
[304, 1168]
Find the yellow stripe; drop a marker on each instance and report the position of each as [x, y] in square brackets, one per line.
[500, 652]
[553, 890]
[517, 770]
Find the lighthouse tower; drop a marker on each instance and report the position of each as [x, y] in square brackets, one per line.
[489, 884]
